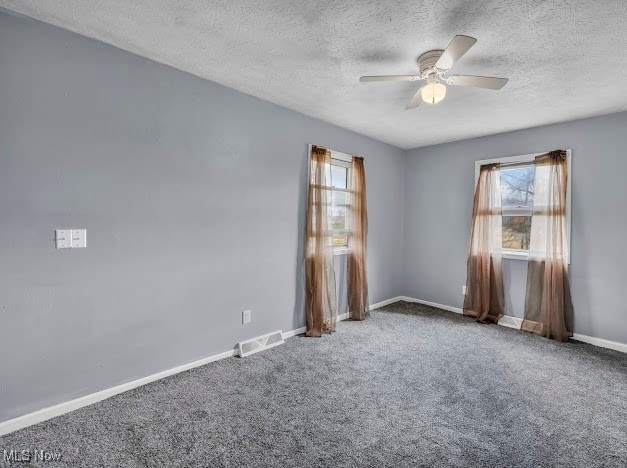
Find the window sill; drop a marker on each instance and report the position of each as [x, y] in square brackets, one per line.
[340, 251]
[515, 255]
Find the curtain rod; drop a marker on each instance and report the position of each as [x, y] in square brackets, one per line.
[510, 164]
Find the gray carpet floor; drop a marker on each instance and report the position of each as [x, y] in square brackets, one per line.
[411, 386]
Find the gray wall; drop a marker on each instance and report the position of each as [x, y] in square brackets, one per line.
[192, 195]
[439, 187]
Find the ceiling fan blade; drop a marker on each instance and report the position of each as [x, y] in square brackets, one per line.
[415, 100]
[487, 82]
[364, 79]
[458, 46]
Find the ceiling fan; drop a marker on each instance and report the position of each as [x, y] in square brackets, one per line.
[434, 65]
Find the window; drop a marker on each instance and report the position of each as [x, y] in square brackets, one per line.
[340, 201]
[338, 176]
[517, 201]
[517, 189]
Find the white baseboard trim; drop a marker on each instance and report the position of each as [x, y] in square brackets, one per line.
[392, 300]
[292, 333]
[44, 414]
[516, 322]
[301, 330]
[615, 345]
[456, 310]
[12, 425]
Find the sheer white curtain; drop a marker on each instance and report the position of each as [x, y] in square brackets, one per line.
[484, 280]
[319, 273]
[548, 225]
[548, 306]
[357, 280]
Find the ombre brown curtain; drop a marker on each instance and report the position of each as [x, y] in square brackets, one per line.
[548, 305]
[356, 262]
[484, 280]
[319, 273]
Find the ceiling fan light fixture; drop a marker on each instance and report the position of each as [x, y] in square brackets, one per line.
[434, 66]
[433, 92]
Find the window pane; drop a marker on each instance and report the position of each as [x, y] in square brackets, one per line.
[338, 217]
[339, 206]
[516, 232]
[339, 176]
[339, 198]
[517, 186]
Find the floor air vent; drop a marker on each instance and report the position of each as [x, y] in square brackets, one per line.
[246, 348]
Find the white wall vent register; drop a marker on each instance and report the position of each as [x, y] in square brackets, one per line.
[246, 348]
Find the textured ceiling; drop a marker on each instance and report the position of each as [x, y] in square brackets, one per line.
[565, 59]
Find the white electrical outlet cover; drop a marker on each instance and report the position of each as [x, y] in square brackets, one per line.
[246, 316]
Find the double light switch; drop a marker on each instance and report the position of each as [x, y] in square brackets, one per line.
[71, 238]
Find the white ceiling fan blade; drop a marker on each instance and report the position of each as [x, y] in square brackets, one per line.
[415, 100]
[487, 82]
[458, 46]
[364, 79]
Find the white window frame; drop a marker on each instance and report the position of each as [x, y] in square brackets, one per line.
[342, 160]
[514, 254]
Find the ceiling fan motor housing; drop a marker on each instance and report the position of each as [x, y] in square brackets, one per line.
[427, 61]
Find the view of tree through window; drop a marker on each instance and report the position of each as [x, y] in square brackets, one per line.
[517, 186]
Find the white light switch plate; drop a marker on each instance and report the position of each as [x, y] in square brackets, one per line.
[63, 238]
[79, 238]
